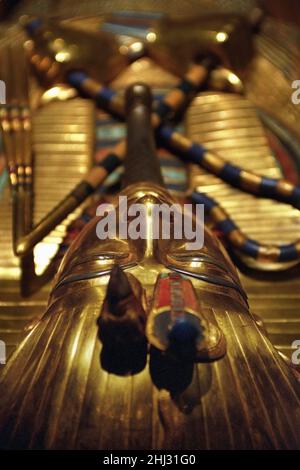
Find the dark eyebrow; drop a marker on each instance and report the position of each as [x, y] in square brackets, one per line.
[86, 276]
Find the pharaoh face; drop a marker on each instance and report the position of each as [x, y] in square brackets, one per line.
[164, 281]
[141, 248]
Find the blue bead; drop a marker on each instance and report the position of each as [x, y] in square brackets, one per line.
[195, 153]
[231, 174]
[288, 253]
[165, 133]
[268, 187]
[200, 198]
[33, 25]
[105, 94]
[163, 109]
[250, 248]
[186, 86]
[295, 197]
[226, 226]
[76, 78]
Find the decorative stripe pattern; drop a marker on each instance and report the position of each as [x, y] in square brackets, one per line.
[277, 189]
[236, 238]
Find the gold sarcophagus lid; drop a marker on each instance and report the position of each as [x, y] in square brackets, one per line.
[149, 339]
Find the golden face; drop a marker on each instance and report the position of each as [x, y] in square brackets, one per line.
[195, 277]
[146, 258]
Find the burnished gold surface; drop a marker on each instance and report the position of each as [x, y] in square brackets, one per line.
[50, 161]
[276, 64]
[174, 44]
[231, 403]
[72, 141]
[59, 48]
[94, 400]
[61, 132]
[67, 8]
[228, 123]
[137, 252]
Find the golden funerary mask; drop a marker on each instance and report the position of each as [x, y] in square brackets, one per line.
[83, 378]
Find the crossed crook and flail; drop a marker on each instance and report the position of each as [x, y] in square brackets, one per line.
[167, 110]
[190, 152]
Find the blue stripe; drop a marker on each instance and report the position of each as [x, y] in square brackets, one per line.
[288, 252]
[250, 248]
[268, 187]
[231, 174]
[226, 226]
[162, 109]
[165, 133]
[76, 78]
[110, 162]
[176, 187]
[159, 96]
[200, 198]
[33, 25]
[104, 95]
[195, 153]
[186, 86]
[295, 197]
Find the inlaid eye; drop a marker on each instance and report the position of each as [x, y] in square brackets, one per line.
[186, 257]
[193, 259]
[107, 259]
[103, 261]
[108, 256]
[96, 265]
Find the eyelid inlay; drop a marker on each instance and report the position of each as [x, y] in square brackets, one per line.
[183, 257]
[90, 275]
